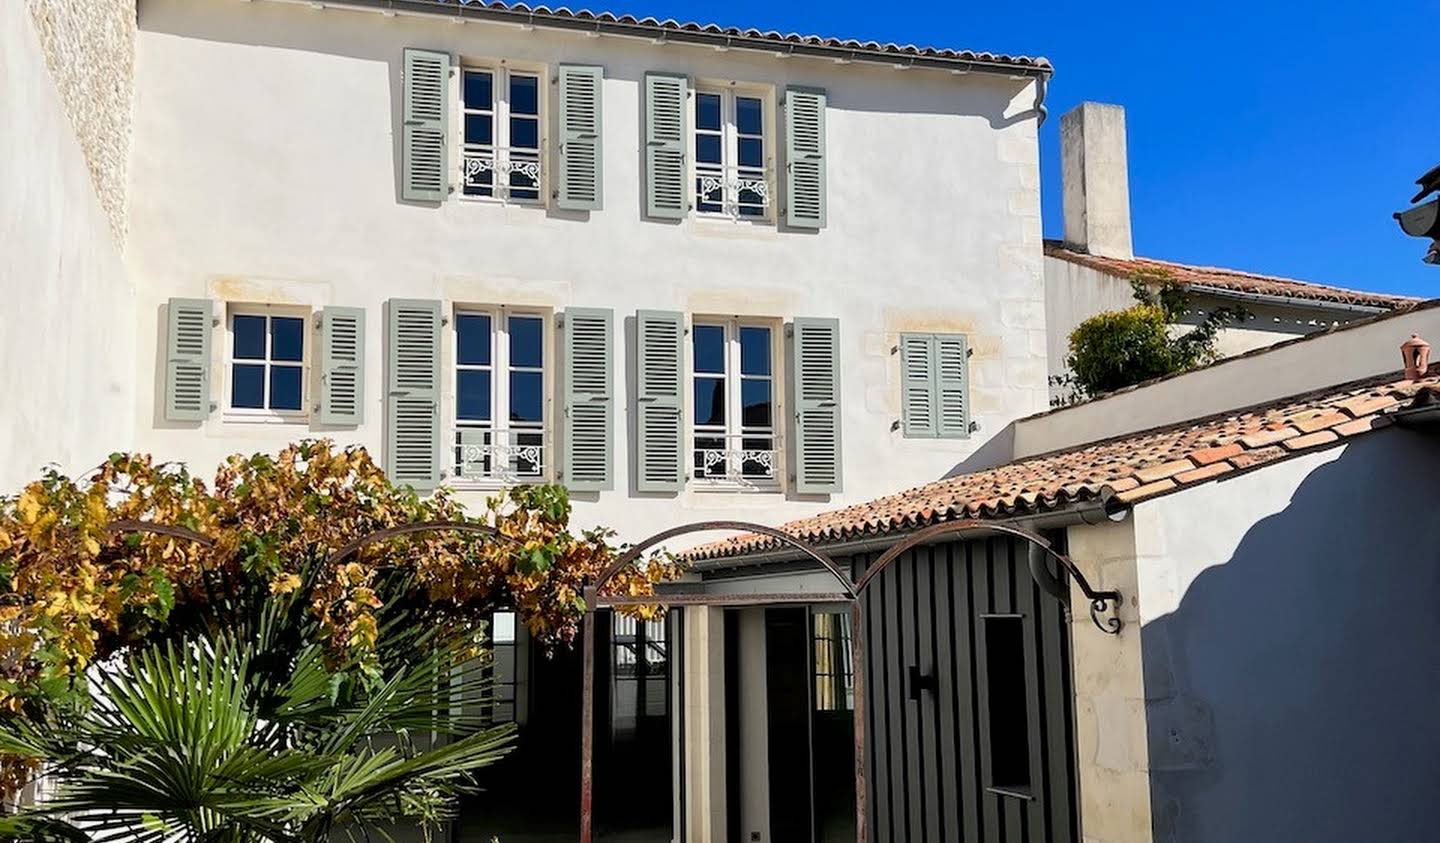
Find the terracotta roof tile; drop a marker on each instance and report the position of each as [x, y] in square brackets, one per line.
[1132, 468]
[726, 36]
[1233, 280]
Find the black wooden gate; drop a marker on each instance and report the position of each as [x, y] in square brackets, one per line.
[969, 699]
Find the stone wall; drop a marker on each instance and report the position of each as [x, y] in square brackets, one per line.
[89, 46]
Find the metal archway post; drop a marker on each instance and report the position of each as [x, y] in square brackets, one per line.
[1100, 602]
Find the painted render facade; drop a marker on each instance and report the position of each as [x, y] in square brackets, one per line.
[933, 225]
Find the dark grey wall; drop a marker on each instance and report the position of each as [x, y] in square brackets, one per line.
[1293, 691]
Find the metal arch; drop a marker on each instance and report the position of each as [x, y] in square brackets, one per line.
[421, 527]
[134, 526]
[1101, 602]
[633, 553]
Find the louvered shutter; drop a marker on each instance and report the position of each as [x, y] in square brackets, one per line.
[804, 158]
[425, 162]
[917, 385]
[187, 359]
[580, 148]
[952, 386]
[412, 392]
[660, 372]
[589, 398]
[666, 196]
[342, 366]
[815, 379]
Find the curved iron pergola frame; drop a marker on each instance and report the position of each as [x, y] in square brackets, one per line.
[1101, 602]
[851, 591]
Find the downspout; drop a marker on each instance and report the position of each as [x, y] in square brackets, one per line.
[1042, 87]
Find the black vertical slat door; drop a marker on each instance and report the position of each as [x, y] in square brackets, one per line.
[969, 717]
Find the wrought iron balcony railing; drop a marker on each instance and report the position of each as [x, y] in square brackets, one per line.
[505, 172]
[502, 456]
[733, 190]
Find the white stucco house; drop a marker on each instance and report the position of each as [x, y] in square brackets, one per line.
[1090, 269]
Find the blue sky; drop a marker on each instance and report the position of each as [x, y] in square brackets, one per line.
[1275, 138]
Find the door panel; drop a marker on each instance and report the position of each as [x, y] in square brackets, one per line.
[969, 699]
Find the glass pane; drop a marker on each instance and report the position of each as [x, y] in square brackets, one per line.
[472, 339]
[287, 339]
[479, 129]
[707, 149]
[504, 663]
[527, 338]
[707, 111]
[479, 90]
[249, 337]
[710, 401]
[524, 95]
[247, 387]
[472, 395]
[526, 397]
[754, 351]
[285, 387]
[749, 115]
[525, 132]
[754, 402]
[655, 697]
[752, 152]
[479, 183]
[709, 349]
[502, 630]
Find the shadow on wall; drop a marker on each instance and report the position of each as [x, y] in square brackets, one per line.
[1293, 693]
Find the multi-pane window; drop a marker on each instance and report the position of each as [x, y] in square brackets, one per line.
[734, 403]
[503, 668]
[834, 673]
[732, 171]
[499, 395]
[267, 363]
[640, 671]
[502, 154]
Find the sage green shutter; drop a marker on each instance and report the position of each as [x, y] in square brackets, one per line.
[342, 365]
[666, 193]
[804, 158]
[412, 392]
[917, 385]
[659, 377]
[424, 136]
[952, 386]
[580, 145]
[589, 398]
[187, 359]
[815, 379]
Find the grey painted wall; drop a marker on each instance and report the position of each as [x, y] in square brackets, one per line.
[1292, 649]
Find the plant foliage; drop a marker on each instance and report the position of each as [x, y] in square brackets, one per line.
[77, 594]
[1120, 348]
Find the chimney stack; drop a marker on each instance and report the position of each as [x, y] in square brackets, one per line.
[1095, 182]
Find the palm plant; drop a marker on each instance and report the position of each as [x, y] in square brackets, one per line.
[250, 736]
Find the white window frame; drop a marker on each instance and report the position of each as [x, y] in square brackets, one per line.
[500, 152]
[734, 424]
[258, 415]
[730, 149]
[500, 425]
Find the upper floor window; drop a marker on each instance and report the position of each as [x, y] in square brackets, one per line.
[734, 403]
[500, 366]
[266, 363]
[732, 163]
[935, 386]
[503, 149]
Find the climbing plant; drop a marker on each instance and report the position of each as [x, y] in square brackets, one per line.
[1120, 348]
[76, 591]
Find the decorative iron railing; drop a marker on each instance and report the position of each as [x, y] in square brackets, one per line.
[738, 462]
[502, 456]
[734, 190]
[503, 171]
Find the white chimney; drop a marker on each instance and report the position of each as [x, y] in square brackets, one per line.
[1094, 180]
